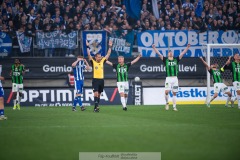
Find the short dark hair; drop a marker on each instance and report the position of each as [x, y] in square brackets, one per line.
[97, 54]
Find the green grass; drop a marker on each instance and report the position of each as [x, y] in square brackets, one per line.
[192, 133]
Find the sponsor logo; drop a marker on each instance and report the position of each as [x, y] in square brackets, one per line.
[162, 68]
[64, 68]
[137, 94]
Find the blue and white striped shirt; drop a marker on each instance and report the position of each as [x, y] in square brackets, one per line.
[78, 71]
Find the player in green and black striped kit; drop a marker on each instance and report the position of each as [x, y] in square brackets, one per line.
[234, 67]
[171, 65]
[122, 77]
[218, 83]
[16, 73]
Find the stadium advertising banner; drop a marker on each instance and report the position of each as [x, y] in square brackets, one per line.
[5, 44]
[56, 39]
[53, 97]
[97, 42]
[122, 43]
[24, 42]
[145, 68]
[185, 95]
[178, 40]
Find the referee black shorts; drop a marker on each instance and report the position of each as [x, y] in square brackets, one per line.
[98, 85]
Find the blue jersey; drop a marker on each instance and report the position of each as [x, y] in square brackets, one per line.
[78, 71]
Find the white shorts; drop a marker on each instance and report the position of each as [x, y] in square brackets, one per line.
[171, 83]
[236, 85]
[218, 87]
[123, 87]
[17, 87]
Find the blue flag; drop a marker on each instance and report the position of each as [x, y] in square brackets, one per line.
[133, 8]
[199, 8]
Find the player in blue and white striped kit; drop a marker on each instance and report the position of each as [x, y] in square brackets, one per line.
[78, 70]
[2, 116]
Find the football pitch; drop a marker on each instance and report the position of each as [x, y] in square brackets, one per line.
[56, 133]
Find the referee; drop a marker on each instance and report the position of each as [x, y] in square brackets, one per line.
[98, 73]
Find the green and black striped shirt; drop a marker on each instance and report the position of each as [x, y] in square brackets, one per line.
[235, 69]
[216, 75]
[122, 71]
[171, 66]
[17, 74]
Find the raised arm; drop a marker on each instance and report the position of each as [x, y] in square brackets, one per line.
[109, 63]
[159, 54]
[88, 67]
[205, 64]
[136, 59]
[109, 50]
[226, 65]
[75, 63]
[88, 51]
[184, 51]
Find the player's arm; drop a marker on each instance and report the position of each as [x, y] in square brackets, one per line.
[75, 63]
[1, 78]
[109, 63]
[184, 51]
[23, 72]
[109, 50]
[88, 51]
[205, 64]
[156, 51]
[136, 59]
[87, 65]
[226, 65]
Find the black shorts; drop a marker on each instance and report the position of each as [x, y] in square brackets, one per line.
[98, 85]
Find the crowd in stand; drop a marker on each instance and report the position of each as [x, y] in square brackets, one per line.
[67, 15]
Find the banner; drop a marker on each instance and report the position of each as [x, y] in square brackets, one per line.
[185, 95]
[53, 97]
[97, 41]
[24, 42]
[178, 40]
[145, 68]
[5, 44]
[56, 39]
[122, 43]
[137, 93]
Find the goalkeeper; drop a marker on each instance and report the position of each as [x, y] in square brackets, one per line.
[218, 83]
[234, 67]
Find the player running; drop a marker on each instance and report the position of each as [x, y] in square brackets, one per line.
[234, 67]
[78, 68]
[2, 116]
[218, 83]
[171, 83]
[122, 77]
[17, 71]
[98, 73]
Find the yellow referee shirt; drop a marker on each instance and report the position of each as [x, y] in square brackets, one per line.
[98, 69]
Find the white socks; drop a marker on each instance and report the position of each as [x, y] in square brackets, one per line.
[174, 101]
[238, 98]
[166, 98]
[228, 99]
[123, 100]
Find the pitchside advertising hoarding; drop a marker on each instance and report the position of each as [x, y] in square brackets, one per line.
[145, 68]
[53, 97]
[185, 95]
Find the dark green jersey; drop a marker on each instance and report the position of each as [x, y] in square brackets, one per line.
[17, 74]
[122, 71]
[235, 69]
[216, 75]
[171, 66]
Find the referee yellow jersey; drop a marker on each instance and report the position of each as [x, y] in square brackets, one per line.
[98, 69]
